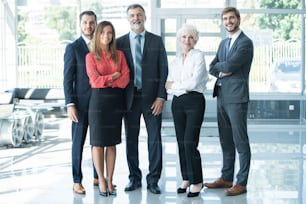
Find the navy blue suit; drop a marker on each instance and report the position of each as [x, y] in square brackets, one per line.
[77, 91]
[154, 75]
[232, 105]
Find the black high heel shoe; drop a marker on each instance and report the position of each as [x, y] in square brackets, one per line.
[105, 194]
[194, 194]
[181, 190]
[113, 193]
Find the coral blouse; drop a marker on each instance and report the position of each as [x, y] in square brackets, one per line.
[106, 67]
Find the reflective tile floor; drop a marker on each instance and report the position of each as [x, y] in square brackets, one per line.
[40, 172]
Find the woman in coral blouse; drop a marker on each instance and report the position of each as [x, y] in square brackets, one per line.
[108, 75]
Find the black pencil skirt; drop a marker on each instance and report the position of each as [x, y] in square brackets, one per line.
[105, 116]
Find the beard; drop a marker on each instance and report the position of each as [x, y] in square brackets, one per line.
[136, 26]
[234, 29]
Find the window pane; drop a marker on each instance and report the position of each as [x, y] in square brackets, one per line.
[277, 51]
[192, 4]
[261, 4]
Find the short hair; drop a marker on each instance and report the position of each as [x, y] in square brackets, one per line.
[188, 27]
[133, 6]
[89, 13]
[230, 9]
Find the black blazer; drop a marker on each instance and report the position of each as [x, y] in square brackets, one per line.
[240, 56]
[76, 82]
[154, 69]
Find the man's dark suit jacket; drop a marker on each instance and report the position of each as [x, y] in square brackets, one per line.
[236, 86]
[76, 82]
[154, 69]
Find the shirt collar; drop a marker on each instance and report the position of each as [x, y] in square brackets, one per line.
[133, 34]
[86, 39]
[235, 35]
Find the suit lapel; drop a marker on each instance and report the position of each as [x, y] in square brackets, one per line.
[146, 44]
[128, 48]
[236, 43]
[83, 43]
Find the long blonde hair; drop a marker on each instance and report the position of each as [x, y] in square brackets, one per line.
[96, 48]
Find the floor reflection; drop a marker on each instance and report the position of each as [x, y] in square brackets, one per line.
[40, 172]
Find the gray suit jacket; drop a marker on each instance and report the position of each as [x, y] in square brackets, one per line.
[235, 88]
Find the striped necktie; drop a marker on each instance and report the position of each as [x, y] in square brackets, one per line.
[138, 59]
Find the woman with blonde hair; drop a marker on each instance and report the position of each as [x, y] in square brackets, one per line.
[186, 81]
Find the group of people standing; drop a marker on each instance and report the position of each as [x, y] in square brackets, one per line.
[109, 79]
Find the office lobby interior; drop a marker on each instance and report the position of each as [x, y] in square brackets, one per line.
[38, 170]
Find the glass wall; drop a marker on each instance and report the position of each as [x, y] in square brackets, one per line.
[274, 26]
[42, 30]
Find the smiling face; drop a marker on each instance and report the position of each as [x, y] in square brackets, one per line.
[106, 36]
[231, 22]
[88, 25]
[136, 18]
[187, 40]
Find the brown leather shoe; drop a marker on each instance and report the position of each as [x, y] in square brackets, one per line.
[95, 182]
[219, 183]
[236, 190]
[78, 188]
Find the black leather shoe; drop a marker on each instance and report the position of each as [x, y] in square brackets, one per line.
[181, 190]
[153, 188]
[132, 185]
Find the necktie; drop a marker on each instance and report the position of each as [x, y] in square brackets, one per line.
[88, 45]
[138, 59]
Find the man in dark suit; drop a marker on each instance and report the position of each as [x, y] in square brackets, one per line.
[145, 97]
[77, 94]
[231, 66]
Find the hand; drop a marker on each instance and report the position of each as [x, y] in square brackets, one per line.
[72, 113]
[168, 84]
[225, 74]
[96, 72]
[116, 75]
[157, 107]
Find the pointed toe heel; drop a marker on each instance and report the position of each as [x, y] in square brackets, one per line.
[104, 194]
[181, 190]
[195, 194]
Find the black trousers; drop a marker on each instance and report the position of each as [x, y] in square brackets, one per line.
[132, 128]
[188, 114]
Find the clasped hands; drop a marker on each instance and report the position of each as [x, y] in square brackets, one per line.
[115, 76]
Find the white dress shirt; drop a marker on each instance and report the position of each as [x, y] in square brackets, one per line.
[190, 75]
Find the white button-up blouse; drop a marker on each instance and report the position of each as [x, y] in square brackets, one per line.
[190, 75]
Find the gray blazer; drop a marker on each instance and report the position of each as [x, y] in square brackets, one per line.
[240, 56]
